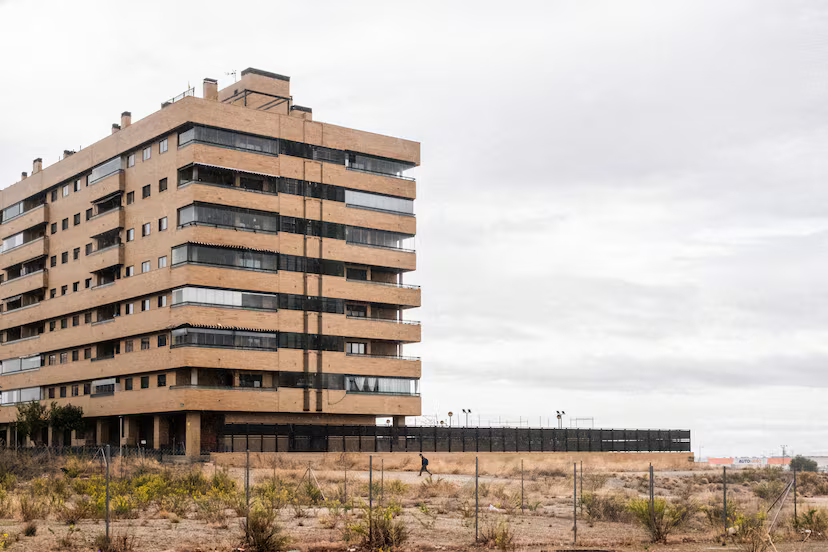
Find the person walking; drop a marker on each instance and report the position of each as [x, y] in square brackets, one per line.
[424, 467]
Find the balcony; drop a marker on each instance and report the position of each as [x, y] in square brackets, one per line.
[106, 221]
[372, 291]
[369, 365]
[375, 328]
[107, 257]
[24, 284]
[107, 186]
[32, 217]
[33, 249]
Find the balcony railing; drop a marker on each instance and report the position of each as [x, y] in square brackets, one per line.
[390, 284]
[23, 275]
[391, 320]
[223, 388]
[382, 356]
[401, 177]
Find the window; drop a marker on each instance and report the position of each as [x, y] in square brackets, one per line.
[145, 266]
[64, 224]
[146, 191]
[225, 216]
[76, 254]
[64, 289]
[76, 320]
[52, 293]
[53, 261]
[64, 257]
[162, 301]
[87, 353]
[162, 340]
[127, 384]
[146, 229]
[162, 146]
[162, 224]
[89, 213]
[129, 271]
[162, 262]
[145, 305]
[75, 355]
[52, 324]
[64, 323]
[52, 360]
[144, 382]
[130, 197]
[54, 195]
[64, 358]
[63, 392]
[66, 190]
[54, 228]
[76, 218]
[355, 348]
[74, 390]
[128, 346]
[130, 308]
[147, 153]
[130, 234]
[87, 283]
[131, 160]
[357, 311]
[162, 184]
[51, 392]
[87, 388]
[77, 185]
[87, 317]
[75, 286]
[162, 380]
[250, 380]
[88, 248]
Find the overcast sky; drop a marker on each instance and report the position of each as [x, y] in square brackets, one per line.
[622, 206]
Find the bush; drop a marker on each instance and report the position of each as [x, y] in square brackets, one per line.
[500, 536]
[604, 508]
[262, 533]
[815, 484]
[815, 521]
[800, 463]
[714, 514]
[31, 508]
[30, 530]
[665, 517]
[116, 543]
[387, 533]
[750, 533]
[769, 490]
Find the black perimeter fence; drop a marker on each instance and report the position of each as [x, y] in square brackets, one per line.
[360, 438]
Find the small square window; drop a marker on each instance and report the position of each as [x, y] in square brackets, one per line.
[64, 323]
[129, 271]
[63, 392]
[144, 343]
[162, 262]
[76, 254]
[162, 340]
[162, 146]
[162, 301]
[144, 382]
[147, 153]
[64, 224]
[66, 190]
[130, 308]
[76, 219]
[75, 286]
[145, 266]
[76, 320]
[75, 355]
[74, 390]
[54, 228]
[89, 213]
[130, 234]
[51, 392]
[127, 384]
[162, 224]
[131, 160]
[53, 261]
[54, 195]
[162, 184]
[146, 228]
[87, 388]
[146, 191]
[88, 249]
[162, 380]
[64, 289]
[87, 353]
[130, 197]
[87, 283]
[52, 293]
[52, 325]
[87, 317]
[145, 305]
[77, 185]
[128, 346]
[64, 257]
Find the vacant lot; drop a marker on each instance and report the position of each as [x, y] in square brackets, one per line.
[49, 503]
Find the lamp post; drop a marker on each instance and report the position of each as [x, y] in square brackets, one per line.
[467, 411]
[560, 418]
[450, 415]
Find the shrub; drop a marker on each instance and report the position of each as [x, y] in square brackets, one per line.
[749, 532]
[31, 508]
[800, 463]
[604, 508]
[664, 518]
[815, 521]
[116, 543]
[815, 484]
[500, 536]
[769, 490]
[262, 533]
[378, 530]
[30, 530]
[714, 513]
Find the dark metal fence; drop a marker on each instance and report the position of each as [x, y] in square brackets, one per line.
[356, 438]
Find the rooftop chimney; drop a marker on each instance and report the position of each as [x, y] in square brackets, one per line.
[166, 104]
[210, 90]
[67, 153]
[23, 175]
[115, 128]
[37, 165]
[126, 119]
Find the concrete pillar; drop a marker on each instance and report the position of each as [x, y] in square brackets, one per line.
[99, 432]
[50, 436]
[9, 435]
[399, 421]
[73, 437]
[161, 431]
[130, 435]
[28, 441]
[193, 376]
[193, 437]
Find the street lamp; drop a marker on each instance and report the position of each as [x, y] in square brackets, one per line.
[450, 415]
[467, 412]
[560, 418]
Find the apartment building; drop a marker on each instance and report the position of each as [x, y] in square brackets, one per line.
[224, 260]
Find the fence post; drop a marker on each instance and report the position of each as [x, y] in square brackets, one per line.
[796, 519]
[108, 461]
[574, 502]
[581, 483]
[345, 498]
[247, 493]
[371, 500]
[476, 499]
[477, 439]
[652, 497]
[724, 501]
[521, 487]
[382, 481]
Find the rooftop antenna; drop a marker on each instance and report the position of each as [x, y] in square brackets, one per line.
[233, 72]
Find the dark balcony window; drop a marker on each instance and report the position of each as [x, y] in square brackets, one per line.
[162, 380]
[144, 382]
[250, 380]
[127, 384]
[224, 216]
[221, 256]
